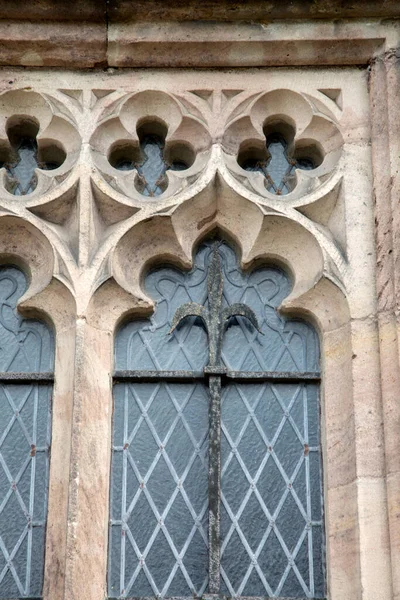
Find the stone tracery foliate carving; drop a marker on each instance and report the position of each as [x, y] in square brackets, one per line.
[97, 209]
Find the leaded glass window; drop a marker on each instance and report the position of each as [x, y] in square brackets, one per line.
[216, 467]
[26, 365]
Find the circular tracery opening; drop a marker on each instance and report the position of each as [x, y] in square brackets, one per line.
[152, 158]
[24, 156]
[278, 159]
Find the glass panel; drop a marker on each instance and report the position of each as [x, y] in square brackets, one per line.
[25, 428]
[25, 345]
[285, 346]
[159, 498]
[21, 171]
[152, 168]
[146, 344]
[279, 168]
[271, 492]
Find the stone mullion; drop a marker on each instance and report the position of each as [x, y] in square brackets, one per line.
[87, 536]
[385, 109]
[386, 148]
[392, 66]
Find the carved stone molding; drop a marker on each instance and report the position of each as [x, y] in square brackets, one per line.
[231, 35]
[180, 128]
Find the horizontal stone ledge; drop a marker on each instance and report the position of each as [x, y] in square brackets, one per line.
[280, 43]
[176, 10]
[45, 44]
[85, 44]
[243, 53]
[252, 10]
[54, 10]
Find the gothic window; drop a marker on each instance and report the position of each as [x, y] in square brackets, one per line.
[216, 469]
[26, 365]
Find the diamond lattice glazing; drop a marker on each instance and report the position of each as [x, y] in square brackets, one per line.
[25, 346]
[271, 500]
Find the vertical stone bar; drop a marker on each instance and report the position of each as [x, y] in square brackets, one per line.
[385, 123]
[384, 87]
[90, 465]
[56, 533]
[214, 484]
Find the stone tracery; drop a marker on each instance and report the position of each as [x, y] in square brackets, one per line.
[189, 157]
[103, 233]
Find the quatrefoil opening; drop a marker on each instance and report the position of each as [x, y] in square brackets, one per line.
[152, 158]
[282, 144]
[279, 158]
[37, 146]
[150, 145]
[23, 156]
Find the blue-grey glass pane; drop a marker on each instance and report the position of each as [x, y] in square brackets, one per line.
[25, 345]
[153, 168]
[279, 168]
[158, 538]
[24, 465]
[147, 344]
[271, 492]
[25, 430]
[23, 170]
[285, 346]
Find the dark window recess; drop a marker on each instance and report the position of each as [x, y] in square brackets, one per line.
[278, 167]
[26, 375]
[216, 461]
[24, 159]
[151, 165]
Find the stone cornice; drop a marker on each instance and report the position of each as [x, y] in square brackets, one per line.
[99, 11]
[150, 33]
